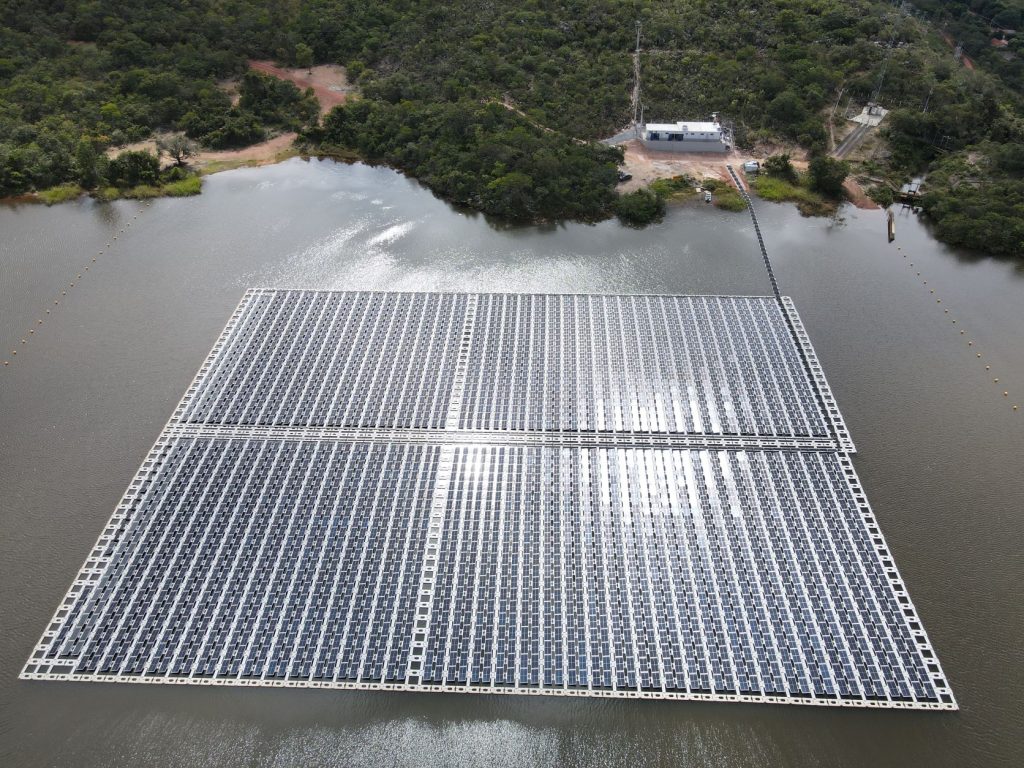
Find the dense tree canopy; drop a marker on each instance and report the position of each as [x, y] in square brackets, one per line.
[82, 75]
[79, 76]
[481, 155]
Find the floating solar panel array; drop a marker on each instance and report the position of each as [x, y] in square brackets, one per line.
[646, 496]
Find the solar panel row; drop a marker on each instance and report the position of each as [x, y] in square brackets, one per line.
[261, 559]
[692, 364]
[603, 495]
[309, 358]
[633, 364]
[713, 572]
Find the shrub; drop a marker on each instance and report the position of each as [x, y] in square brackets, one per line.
[827, 175]
[882, 195]
[639, 208]
[780, 167]
[130, 169]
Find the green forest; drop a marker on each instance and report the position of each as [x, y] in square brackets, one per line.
[497, 105]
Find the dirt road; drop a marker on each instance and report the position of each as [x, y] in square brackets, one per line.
[851, 141]
[266, 152]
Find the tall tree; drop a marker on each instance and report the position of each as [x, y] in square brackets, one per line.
[177, 147]
[304, 57]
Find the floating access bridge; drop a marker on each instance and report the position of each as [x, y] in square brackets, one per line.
[583, 495]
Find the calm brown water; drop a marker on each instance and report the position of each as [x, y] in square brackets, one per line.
[941, 455]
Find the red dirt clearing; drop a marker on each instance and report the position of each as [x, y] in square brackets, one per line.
[856, 194]
[328, 81]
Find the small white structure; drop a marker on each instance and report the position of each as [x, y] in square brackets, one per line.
[871, 115]
[685, 137]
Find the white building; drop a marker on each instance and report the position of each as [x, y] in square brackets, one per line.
[685, 137]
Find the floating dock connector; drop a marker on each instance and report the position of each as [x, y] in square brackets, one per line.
[892, 226]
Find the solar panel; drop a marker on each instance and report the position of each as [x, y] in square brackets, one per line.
[644, 496]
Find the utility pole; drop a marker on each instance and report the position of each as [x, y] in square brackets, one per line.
[831, 119]
[927, 99]
[959, 52]
[836, 105]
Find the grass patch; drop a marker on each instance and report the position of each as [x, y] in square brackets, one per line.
[60, 194]
[808, 202]
[192, 185]
[142, 192]
[675, 188]
[724, 195]
[216, 166]
[728, 199]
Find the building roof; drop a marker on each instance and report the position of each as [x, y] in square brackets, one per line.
[696, 127]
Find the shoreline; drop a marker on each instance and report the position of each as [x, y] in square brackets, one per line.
[274, 151]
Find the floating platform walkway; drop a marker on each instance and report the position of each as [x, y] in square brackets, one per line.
[582, 495]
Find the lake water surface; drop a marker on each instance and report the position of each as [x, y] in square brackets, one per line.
[941, 454]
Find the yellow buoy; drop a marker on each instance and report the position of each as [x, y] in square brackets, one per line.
[1014, 407]
[979, 354]
[970, 343]
[31, 330]
[962, 332]
[988, 367]
[1006, 394]
[995, 381]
